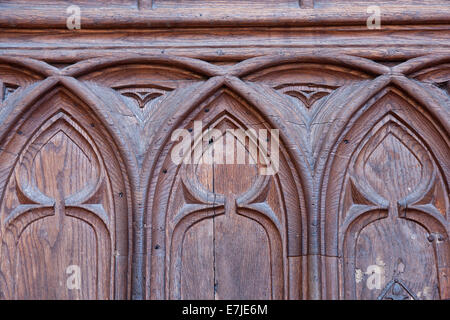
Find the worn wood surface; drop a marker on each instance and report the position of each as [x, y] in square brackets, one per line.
[359, 205]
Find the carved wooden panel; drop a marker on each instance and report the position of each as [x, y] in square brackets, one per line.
[64, 205]
[184, 150]
[392, 202]
[224, 225]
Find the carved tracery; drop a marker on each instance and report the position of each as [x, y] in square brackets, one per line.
[58, 213]
[219, 215]
[394, 197]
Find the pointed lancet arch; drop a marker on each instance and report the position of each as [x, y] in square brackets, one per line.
[397, 124]
[67, 192]
[222, 103]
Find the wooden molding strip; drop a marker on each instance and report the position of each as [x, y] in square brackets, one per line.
[101, 18]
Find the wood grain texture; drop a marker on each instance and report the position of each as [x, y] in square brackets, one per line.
[218, 16]
[359, 205]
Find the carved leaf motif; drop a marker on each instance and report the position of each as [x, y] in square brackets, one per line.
[308, 94]
[356, 195]
[439, 75]
[142, 98]
[356, 201]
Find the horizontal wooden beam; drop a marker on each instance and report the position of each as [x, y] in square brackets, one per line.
[105, 18]
[227, 44]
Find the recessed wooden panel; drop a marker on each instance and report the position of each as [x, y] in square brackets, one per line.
[394, 166]
[240, 244]
[243, 257]
[44, 252]
[395, 248]
[198, 262]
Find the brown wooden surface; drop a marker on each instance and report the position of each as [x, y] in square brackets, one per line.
[359, 208]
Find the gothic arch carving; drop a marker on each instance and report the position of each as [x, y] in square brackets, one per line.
[36, 68]
[17, 74]
[308, 79]
[86, 68]
[154, 78]
[158, 83]
[65, 201]
[179, 201]
[360, 66]
[362, 206]
[433, 69]
[422, 65]
[313, 88]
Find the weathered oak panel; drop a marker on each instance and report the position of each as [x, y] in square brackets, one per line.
[224, 150]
